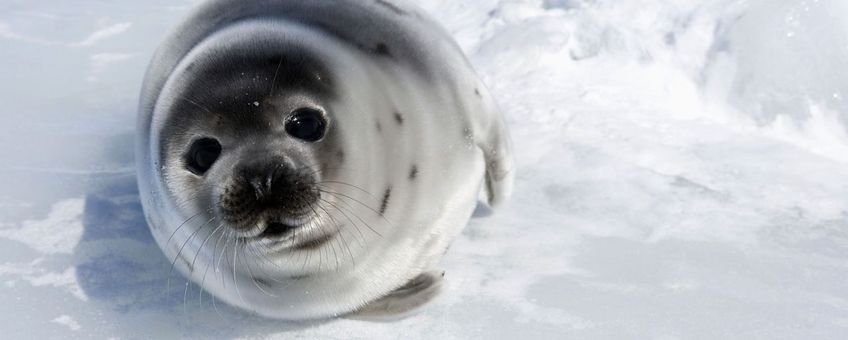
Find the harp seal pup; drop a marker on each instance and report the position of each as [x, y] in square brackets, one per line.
[312, 159]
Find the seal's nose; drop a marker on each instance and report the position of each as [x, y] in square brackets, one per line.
[268, 190]
[271, 180]
[274, 183]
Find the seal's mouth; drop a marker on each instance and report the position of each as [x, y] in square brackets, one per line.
[277, 230]
[280, 234]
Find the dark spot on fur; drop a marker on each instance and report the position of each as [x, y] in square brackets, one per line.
[399, 118]
[385, 204]
[383, 50]
[477, 92]
[379, 127]
[340, 155]
[392, 7]
[413, 173]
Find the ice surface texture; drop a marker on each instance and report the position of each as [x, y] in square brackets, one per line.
[682, 175]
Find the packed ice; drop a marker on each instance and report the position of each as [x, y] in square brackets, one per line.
[682, 174]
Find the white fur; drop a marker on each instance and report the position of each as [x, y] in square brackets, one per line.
[424, 214]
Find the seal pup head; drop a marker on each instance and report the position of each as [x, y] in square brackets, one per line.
[248, 138]
[248, 145]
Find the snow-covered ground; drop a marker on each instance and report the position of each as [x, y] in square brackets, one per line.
[683, 174]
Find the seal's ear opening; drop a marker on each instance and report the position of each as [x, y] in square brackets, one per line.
[202, 155]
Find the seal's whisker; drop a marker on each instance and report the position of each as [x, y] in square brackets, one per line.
[264, 257]
[168, 242]
[206, 271]
[182, 204]
[315, 168]
[336, 194]
[343, 240]
[196, 194]
[321, 251]
[268, 275]
[174, 262]
[253, 278]
[335, 254]
[224, 253]
[334, 222]
[235, 260]
[194, 261]
[214, 253]
[321, 258]
[353, 199]
[355, 215]
[203, 280]
[258, 252]
[306, 260]
[356, 226]
[185, 298]
[349, 185]
[215, 307]
[340, 232]
[196, 104]
[214, 303]
[276, 73]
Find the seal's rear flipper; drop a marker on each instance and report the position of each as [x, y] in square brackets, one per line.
[399, 303]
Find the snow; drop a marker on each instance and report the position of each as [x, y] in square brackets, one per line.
[682, 175]
[59, 233]
[67, 321]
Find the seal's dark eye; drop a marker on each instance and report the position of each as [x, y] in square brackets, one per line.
[306, 124]
[202, 154]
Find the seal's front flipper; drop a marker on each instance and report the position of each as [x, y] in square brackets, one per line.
[492, 137]
[499, 178]
[399, 303]
[497, 151]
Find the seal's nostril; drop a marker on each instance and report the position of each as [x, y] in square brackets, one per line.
[259, 187]
[263, 179]
[270, 178]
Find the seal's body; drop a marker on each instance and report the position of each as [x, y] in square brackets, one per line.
[306, 159]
